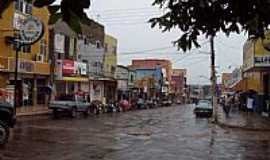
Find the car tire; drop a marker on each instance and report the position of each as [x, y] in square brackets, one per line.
[73, 112]
[4, 133]
[95, 110]
[87, 112]
[55, 113]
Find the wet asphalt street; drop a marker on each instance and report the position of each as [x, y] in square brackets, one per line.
[171, 133]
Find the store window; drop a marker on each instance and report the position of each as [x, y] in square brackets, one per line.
[106, 47]
[43, 47]
[70, 88]
[26, 49]
[114, 50]
[98, 44]
[23, 7]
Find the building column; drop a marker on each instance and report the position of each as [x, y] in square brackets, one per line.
[47, 83]
[34, 96]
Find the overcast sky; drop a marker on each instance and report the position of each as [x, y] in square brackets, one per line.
[125, 20]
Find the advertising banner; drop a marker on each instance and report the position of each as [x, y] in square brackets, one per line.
[59, 43]
[68, 67]
[81, 68]
[18, 20]
[71, 47]
[262, 51]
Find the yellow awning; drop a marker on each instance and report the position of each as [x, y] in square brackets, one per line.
[75, 79]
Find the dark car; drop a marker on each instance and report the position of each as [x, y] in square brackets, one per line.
[203, 109]
[7, 121]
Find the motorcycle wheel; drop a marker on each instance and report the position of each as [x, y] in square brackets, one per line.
[73, 112]
[4, 133]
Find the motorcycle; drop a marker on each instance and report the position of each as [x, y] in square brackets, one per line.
[96, 107]
[111, 107]
[118, 107]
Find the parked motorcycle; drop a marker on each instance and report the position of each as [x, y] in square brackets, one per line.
[110, 107]
[141, 104]
[150, 104]
[118, 107]
[96, 107]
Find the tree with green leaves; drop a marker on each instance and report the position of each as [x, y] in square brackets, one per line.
[71, 11]
[208, 17]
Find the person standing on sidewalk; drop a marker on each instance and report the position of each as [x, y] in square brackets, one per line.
[250, 102]
[227, 106]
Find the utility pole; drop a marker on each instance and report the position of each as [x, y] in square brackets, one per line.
[18, 47]
[213, 79]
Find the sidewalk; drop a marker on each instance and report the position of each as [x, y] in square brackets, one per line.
[242, 120]
[32, 111]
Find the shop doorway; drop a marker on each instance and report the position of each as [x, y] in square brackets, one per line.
[266, 87]
[41, 92]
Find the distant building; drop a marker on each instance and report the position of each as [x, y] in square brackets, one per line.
[178, 84]
[109, 67]
[163, 64]
[110, 58]
[122, 77]
[149, 81]
[225, 82]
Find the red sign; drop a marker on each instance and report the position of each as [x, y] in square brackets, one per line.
[68, 67]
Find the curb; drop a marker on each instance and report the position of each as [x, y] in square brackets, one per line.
[224, 125]
[19, 115]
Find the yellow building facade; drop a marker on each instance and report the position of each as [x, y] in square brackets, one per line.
[110, 59]
[256, 65]
[33, 64]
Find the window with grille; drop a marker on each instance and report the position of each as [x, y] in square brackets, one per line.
[23, 6]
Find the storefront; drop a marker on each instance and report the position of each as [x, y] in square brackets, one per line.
[97, 90]
[32, 79]
[71, 78]
[110, 86]
[257, 70]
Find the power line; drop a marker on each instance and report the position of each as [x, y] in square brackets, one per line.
[125, 14]
[126, 10]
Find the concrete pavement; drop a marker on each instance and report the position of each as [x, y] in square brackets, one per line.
[243, 120]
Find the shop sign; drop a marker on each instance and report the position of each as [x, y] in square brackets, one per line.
[18, 20]
[31, 30]
[25, 66]
[68, 67]
[59, 43]
[76, 79]
[81, 68]
[3, 63]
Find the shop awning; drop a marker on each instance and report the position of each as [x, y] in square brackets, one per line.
[238, 85]
[75, 79]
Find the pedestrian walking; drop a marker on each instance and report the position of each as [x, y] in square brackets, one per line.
[227, 106]
[250, 102]
[237, 102]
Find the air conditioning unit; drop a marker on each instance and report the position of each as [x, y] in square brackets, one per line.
[40, 58]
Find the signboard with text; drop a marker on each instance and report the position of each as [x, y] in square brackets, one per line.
[256, 53]
[68, 67]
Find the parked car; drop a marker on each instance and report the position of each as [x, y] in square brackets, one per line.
[7, 121]
[178, 101]
[203, 109]
[71, 105]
